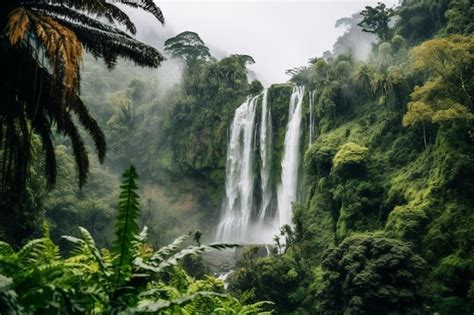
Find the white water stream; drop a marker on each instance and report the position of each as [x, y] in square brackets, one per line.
[238, 202]
[243, 219]
[287, 190]
[266, 146]
[312, 95]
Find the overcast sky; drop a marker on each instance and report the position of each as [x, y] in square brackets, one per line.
[278, 34]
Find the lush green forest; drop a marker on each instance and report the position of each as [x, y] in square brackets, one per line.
[113, 167]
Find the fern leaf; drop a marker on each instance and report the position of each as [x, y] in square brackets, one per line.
[139, 241]
[90, 245]
[31, 253]
[173, 260]
[126, 228]
[168, 250]
[5, 249]
[149, 306]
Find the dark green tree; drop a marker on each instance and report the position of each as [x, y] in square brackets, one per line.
[189, 47]
[376, 19]
[370, 274]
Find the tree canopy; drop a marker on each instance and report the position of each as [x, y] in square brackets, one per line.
[187, 46]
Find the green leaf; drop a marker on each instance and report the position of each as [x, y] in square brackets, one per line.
[126, 228]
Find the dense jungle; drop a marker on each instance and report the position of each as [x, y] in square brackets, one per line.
[151, 176]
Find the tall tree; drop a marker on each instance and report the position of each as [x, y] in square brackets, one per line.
[189, 47]
[376, 19]
[42, 44]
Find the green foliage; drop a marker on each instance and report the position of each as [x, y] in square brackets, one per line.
[272, 279]
[370, 274]
[420, 20]
[376, 20]
[459, 16]
[350, 153]
[126, 227]
[188, 46]
[96, 281]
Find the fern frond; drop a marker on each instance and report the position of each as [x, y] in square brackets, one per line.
[139, 242]
[168, 250]
[5, 249]
[191, 250]
[155, 267]
[31, 253]
[150, 306]
[126, 228]
[90, 245]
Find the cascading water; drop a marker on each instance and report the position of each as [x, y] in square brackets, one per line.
[312, 94]
[238, 202]
[265, 157]
[287, 191]
[244, 220]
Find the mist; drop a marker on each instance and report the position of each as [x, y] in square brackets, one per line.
[279, 34]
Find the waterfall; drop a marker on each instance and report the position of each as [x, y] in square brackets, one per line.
[287, 190]
[265, 157]
[239, 184]
[312, 94]
[244, 220]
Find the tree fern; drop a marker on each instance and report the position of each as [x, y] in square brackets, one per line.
[126, 227]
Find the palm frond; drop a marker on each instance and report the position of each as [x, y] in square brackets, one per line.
[61, 12]
[146, 5]
[110, 45]
[78, 147]
[99, 9]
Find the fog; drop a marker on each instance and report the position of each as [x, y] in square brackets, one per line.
[279, 34]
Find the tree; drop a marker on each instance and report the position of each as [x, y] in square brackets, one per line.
[363, 76]
[234, 69]
[189, 47]
[420, 20]
[376, 19]
[370, 274]
[418, 112]
[450, 60]
[42, 44]
[459, 16]
[447, 95]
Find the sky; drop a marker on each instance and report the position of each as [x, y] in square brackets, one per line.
[279, 35]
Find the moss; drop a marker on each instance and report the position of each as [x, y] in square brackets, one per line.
[405, 222]
[350, 153]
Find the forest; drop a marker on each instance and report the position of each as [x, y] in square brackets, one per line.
[163, 179]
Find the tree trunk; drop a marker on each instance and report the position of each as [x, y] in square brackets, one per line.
[424, 137]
